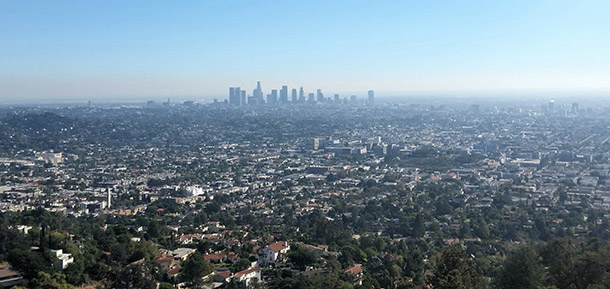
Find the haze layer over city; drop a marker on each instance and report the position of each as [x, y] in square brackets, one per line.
[310, 144]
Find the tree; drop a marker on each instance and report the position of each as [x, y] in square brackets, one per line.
[405, 285]
[453, 269]
[11, 239]
[482, 230]
[522, 270]
[301, 257]
[47, 281]
[29, 262]
[443, 207]
[418, 226]
[137, 275]
[558, 256]
[592, 269]
[165, 285]
[241, 264]
[118, 253]
[194, 269]
[74, 272]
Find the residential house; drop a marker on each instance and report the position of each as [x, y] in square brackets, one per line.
[271, 253]
[63, 259]
[247, 276]
[356, 272]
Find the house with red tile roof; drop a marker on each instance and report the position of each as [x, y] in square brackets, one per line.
[188, 238]
[272, 253]
[247, 276]
[167, 262]
[232, 257]
[356, 272]
[174, 271]
[223, 276]
[215, 258]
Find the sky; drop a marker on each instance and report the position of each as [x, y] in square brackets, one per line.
[80, 50]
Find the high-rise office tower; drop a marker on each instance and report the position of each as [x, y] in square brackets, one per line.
[272, 97]
[574, 108]
[371, 97]
[234, 96]
[301, 95]
[258, 93]
[311, 97]
[552, 105]
[284, 94]
[294, 95]
[320, 95]
[353, 99]
[337, 100]
[252, 100]
[231, 94]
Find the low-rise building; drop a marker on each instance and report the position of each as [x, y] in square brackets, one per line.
[271, 253]
[63, 259]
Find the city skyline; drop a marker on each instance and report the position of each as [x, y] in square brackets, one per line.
[113, 50]
[240, 97]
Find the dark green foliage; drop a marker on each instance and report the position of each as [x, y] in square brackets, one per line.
[165, 285]
[558, 256]
[75, 272]
[194, 269]
[239, 265]
[45, 280]
[11, 239]
[522, 270]
[301, 257]
[455, 270]
[567, 266]
[592, 268]
[137, 275]
[30, 262]
[417, 226]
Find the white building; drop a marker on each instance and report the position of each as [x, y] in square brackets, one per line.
[63, 259]
[271, 253]
[197, 190]
[247, 276]
[182, 253]
[21, 228]
[50, 157]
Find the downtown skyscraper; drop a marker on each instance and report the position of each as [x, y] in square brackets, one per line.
[235, 96]
[284, 94]
[257, 94]
[294, 95]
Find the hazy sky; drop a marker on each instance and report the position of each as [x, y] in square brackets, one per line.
[58, 50]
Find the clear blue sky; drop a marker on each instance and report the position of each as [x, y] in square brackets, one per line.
[57, 50]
